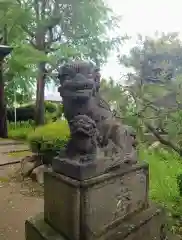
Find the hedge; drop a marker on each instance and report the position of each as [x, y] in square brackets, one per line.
[27, 113]
[49, 138]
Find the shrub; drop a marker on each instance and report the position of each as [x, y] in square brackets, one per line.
[54, 116]
[50, 137]
[50, 107]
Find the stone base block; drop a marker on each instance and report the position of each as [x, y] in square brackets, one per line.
[37, 229]
[90, 207]
[75, 170]
[147, 225]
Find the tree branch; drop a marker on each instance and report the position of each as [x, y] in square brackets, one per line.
[53, 67]
[30, 33]
[162, 140]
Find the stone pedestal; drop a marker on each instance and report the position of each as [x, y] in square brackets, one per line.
[113, 205]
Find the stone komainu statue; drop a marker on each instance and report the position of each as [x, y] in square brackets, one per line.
[94, 130]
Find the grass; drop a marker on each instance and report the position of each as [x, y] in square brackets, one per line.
[4, 179]
[164, 168]
[20, 131]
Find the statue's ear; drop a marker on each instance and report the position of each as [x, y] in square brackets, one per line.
[65, 72]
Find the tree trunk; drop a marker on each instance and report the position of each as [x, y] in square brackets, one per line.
[40, 110]
[3, 112]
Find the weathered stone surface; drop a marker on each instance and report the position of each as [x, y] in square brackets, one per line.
[37, 229]
[62, 204]
[38, 173]
[109, 201]
[34, 167]
[6, 160]
[87, 169]
[95, 133]
[146, 225]
[13, 148]
[96, 203]
[28, 164]
[6, 142]
[73, 169]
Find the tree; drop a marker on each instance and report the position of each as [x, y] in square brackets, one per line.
[154, 59]
[120, 101]
[3, 41]
[63, 29]
[19, 67]
[155, 87]
[45, 34]
[158, 108]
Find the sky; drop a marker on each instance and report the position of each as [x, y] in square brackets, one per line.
[144, 17]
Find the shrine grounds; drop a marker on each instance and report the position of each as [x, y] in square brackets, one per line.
[22, 198]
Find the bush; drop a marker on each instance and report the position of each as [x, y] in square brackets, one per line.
[49, 138]
[50, 107]
[54, 116]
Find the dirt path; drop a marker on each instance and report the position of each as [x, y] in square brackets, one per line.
[18, 201]
[15, 208]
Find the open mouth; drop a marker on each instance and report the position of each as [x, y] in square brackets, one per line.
[86, 93]
[78, 86]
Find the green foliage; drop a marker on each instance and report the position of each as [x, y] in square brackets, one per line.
[50, 33]
[20, 131]
[179, 183]
[173, 125]
[60, 110]
[165, 167]
[163, 53]
[53, 112]
[50, 107]
[49, 138]
[82, 32]
[18, 74]
[120, 102]
[158, 108]
[27, 112]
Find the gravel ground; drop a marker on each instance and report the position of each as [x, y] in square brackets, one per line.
[19, 200]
